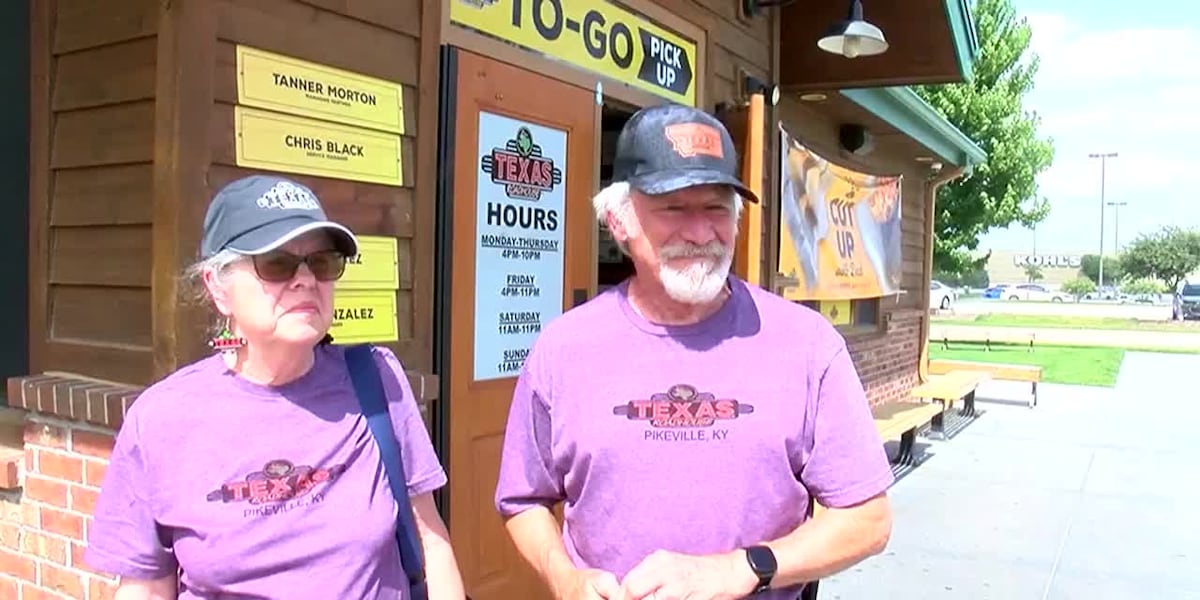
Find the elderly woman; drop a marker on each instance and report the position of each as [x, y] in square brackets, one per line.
[253, 473]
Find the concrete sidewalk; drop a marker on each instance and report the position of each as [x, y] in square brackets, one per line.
[1088, 496]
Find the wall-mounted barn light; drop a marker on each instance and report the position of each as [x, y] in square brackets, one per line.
[854, 37]
[770, 92]
[752, 8]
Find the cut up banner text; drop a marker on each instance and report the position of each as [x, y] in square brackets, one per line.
[840, 232]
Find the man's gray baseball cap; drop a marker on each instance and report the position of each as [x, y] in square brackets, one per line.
[260, 213]
[669, 147]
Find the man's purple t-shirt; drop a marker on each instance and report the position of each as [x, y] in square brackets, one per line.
[696, 439]
[260, 492]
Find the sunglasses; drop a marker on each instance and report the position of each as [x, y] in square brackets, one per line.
[280, 267]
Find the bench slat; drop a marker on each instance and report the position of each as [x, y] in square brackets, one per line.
[950, 386]
[1004, 371]
[895, 418]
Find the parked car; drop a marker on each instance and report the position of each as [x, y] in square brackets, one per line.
[1107, 292]
[1186, 303]
[941, 296]
[996, 291]
[1035, 292]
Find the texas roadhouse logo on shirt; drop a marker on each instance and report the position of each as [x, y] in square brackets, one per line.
[683, 407]
[278, 481]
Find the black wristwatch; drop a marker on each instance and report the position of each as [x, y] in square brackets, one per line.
[762, 562]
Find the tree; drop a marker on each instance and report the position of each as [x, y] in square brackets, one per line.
[1089, 266]
[1141, 287]
[1033, 272]
[988, 109]
[975, 278]
[1168, 255]
[1079, 287]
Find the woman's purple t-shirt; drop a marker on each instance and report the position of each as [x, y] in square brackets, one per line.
[696, 439]
[260, 492]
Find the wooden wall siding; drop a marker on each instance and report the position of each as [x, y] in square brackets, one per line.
[92, 148]
[734, 44]
[84, 24]
[912, 242]
[380, 38]
[133, 134]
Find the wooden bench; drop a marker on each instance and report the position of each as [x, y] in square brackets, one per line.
[900, 420]
[949, 388]
[1005, 372]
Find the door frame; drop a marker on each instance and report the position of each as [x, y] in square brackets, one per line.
[443, 246]
[457, 213]
[444, 261]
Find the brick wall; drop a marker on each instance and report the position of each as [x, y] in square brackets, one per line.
[887, 363]
[43, 527]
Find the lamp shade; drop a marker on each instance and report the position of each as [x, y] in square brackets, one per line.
[854, 37]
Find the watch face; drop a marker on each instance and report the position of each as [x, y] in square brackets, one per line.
[762, 560]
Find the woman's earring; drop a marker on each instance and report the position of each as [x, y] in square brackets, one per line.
[227, 344]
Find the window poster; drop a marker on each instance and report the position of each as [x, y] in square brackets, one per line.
[519, 251]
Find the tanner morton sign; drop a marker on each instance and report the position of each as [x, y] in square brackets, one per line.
[289, 85]
[595, 35]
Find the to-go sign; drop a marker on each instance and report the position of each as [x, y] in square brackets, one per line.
[596, 35]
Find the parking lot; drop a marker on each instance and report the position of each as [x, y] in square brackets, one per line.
[1144, 312]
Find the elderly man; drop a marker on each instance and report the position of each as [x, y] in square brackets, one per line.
[684, 417]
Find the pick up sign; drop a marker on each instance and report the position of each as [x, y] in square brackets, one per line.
[665, 64]
[595, 35]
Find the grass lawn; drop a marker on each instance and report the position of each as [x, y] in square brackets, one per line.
[1073, 365]
[1069, 322]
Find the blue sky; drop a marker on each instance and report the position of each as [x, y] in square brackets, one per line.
[1115, 77]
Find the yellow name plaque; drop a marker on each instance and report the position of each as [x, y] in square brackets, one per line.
[375, 267]
[289, 85]
[276, 142]
[364, 316]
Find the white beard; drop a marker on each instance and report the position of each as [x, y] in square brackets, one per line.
[701, 280]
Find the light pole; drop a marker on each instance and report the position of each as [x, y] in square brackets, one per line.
[1117, 224]
[1103, 156]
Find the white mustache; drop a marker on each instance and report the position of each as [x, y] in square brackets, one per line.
[713, 249]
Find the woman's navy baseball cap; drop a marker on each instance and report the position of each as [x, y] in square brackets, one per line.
[260, 213]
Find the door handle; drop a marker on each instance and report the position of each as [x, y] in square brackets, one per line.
[578, 296]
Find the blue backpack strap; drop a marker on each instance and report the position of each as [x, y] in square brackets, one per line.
[368, 386]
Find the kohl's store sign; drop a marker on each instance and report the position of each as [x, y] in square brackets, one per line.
[1052, 261]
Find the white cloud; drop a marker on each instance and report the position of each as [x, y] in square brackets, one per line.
[1071, 54]
[1131, 91]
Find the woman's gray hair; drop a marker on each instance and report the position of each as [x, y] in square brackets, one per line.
[193, 276]
[617, 200]
[192, 289]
